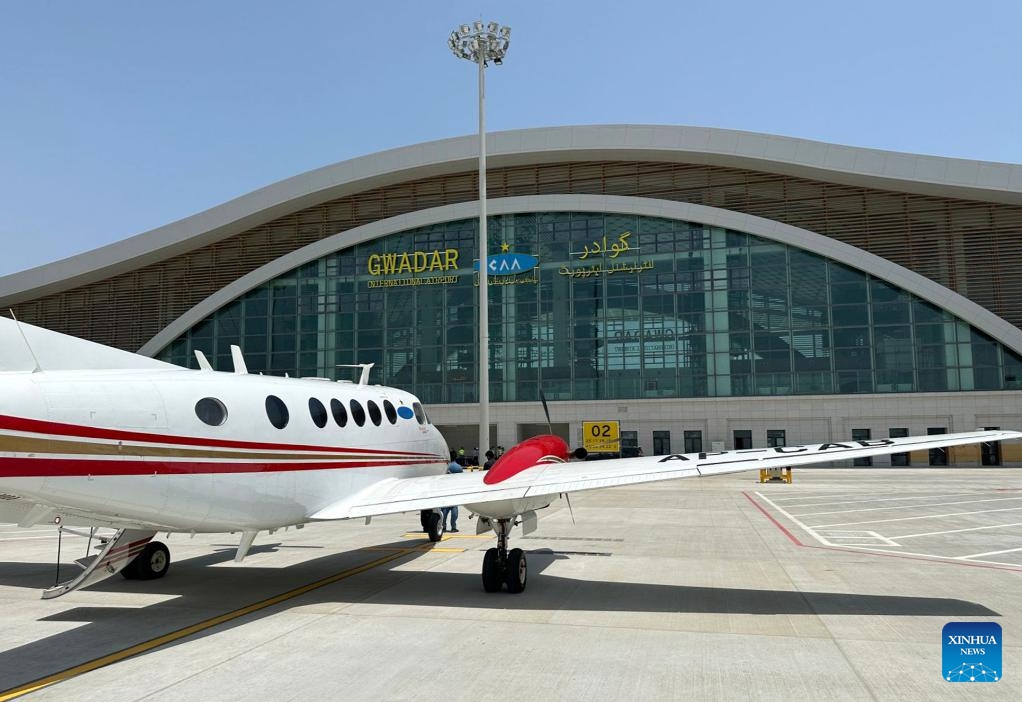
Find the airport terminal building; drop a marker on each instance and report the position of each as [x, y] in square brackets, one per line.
[708, 289]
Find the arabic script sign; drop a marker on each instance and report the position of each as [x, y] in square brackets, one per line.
[601, 258]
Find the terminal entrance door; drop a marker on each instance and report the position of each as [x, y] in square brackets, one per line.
[661, 443]
[466, 436]
[990, 451]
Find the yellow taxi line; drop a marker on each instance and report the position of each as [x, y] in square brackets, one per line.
[419, 535]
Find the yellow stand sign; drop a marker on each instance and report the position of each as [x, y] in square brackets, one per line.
[602, 436]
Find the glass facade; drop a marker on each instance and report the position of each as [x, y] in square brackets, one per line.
[593, 306]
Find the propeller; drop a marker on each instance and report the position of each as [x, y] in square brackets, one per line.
[546, 411]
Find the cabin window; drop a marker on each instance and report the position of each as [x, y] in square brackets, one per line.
[374, 412]
[211, 411]
[318, 412]
[357, 413]
[420, 415]
[276, 411]
[340, 414]
[388, 409]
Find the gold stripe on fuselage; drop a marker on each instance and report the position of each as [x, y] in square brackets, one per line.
[47, 446]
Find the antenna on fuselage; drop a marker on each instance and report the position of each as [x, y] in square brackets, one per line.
[363, 379]
[38, 368]
[239, 361]
[203, 361]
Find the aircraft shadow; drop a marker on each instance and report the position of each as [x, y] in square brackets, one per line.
[195, 592]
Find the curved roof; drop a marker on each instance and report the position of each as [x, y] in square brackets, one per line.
[926, 175]
[881, 268]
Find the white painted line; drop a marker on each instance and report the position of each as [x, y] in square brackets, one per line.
[925, 516]
[26, 538]
[935, 504]
[860, 535]
[875, 549]
[816, 497]
[990, 553]
[891, 499]
[957, 531]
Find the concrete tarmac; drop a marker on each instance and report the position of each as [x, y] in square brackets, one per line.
[835, 587]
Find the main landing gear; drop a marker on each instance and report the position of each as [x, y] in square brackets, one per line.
[504, 567]
[432, 521]
[151, 564]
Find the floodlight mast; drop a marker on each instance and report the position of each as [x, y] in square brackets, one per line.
[481, 44]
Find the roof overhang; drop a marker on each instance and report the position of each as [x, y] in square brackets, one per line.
[887, 170]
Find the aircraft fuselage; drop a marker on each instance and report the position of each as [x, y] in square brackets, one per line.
[131, 445]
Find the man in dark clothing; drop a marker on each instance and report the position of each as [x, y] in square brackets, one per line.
[454, 467]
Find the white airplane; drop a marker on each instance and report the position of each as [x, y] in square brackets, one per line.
[96, 437]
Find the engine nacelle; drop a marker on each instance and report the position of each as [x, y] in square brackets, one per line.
[545, 448]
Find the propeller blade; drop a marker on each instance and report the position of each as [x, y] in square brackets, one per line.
[546, 411]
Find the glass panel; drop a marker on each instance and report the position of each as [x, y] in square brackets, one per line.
[678, 309]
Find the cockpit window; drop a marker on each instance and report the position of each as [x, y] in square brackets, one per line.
[211, 411]
[318, 412]
[420, 414]
[340, 414]
[357, 413]
[276, 411]
[374, 412]
[388, 409]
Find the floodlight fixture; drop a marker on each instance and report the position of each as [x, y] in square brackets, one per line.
[481, 43]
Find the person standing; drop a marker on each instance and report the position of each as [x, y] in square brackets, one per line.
[453, 467]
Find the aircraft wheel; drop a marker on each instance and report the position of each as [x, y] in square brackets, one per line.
[424, 518]
[517, 571]
[491, 571]
[152, 563]
[435, 526]
[130, 571]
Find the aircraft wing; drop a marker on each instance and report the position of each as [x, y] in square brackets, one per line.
[551, 479]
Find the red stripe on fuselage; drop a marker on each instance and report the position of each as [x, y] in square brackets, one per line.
[78, 468]
[40, 426]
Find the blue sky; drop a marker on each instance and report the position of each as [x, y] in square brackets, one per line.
[118, 117]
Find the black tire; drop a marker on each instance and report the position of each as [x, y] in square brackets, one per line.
[130, 571]
[435, 526]
[152, 564]
[492, 579]
[424, 518]
[517, 572]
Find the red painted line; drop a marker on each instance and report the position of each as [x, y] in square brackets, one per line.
[885, 554]
[39, 426]
[77, 468]
[784, 530]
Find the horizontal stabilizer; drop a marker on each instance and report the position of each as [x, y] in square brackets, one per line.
[21, 349]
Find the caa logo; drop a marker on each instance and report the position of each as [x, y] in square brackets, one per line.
[508, 263]
[972, 652]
